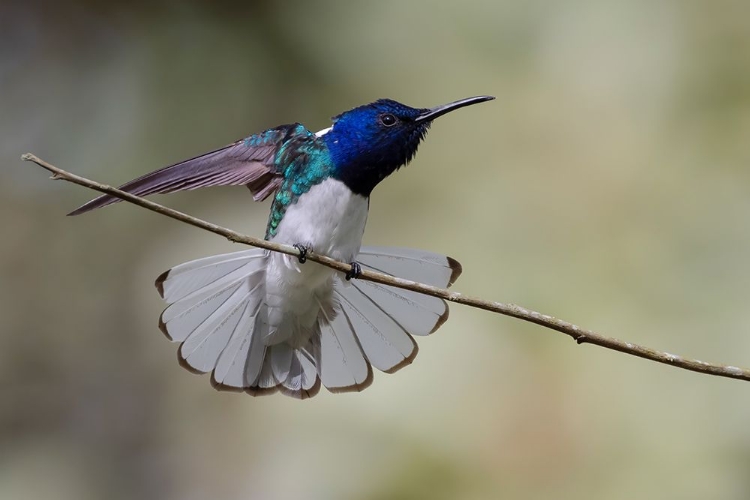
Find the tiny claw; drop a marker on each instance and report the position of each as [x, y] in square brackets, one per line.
[303, 250]
[355, 272]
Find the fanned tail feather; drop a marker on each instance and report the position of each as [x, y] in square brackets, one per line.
[217, 311]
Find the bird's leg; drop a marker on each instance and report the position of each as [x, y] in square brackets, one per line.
[355, 272]
[303, 251]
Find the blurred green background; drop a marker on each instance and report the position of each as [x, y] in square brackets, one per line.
[607, 185]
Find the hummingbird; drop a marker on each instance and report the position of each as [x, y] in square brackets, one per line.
[262, 322]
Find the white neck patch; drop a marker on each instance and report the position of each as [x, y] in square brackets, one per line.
[323, 132]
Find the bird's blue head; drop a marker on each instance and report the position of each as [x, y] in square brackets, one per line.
[370, 142]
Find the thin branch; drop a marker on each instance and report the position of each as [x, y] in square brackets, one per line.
[580, 335]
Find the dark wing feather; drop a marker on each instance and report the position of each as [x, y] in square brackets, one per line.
[248, 162]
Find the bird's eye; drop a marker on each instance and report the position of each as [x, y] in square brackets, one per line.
[388, 119]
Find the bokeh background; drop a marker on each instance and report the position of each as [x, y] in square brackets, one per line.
[607, 185]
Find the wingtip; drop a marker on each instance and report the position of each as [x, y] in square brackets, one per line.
[98, 202]
[78, 211]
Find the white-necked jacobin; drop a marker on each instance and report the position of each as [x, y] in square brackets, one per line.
[260, 321]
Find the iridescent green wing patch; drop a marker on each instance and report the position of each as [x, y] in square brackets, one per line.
[305, 162]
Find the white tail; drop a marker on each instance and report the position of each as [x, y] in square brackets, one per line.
[217, 311]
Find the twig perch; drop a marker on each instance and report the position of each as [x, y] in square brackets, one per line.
[580, 335]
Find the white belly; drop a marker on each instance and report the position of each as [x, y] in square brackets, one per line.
[331, 220]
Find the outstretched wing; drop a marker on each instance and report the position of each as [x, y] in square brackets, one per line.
[250, 161]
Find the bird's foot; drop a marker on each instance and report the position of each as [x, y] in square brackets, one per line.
[303, 251]
[355, 272]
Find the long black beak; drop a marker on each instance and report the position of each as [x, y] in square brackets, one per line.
[432, 113]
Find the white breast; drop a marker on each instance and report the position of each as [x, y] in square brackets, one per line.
[331, 220]
[329, 217]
